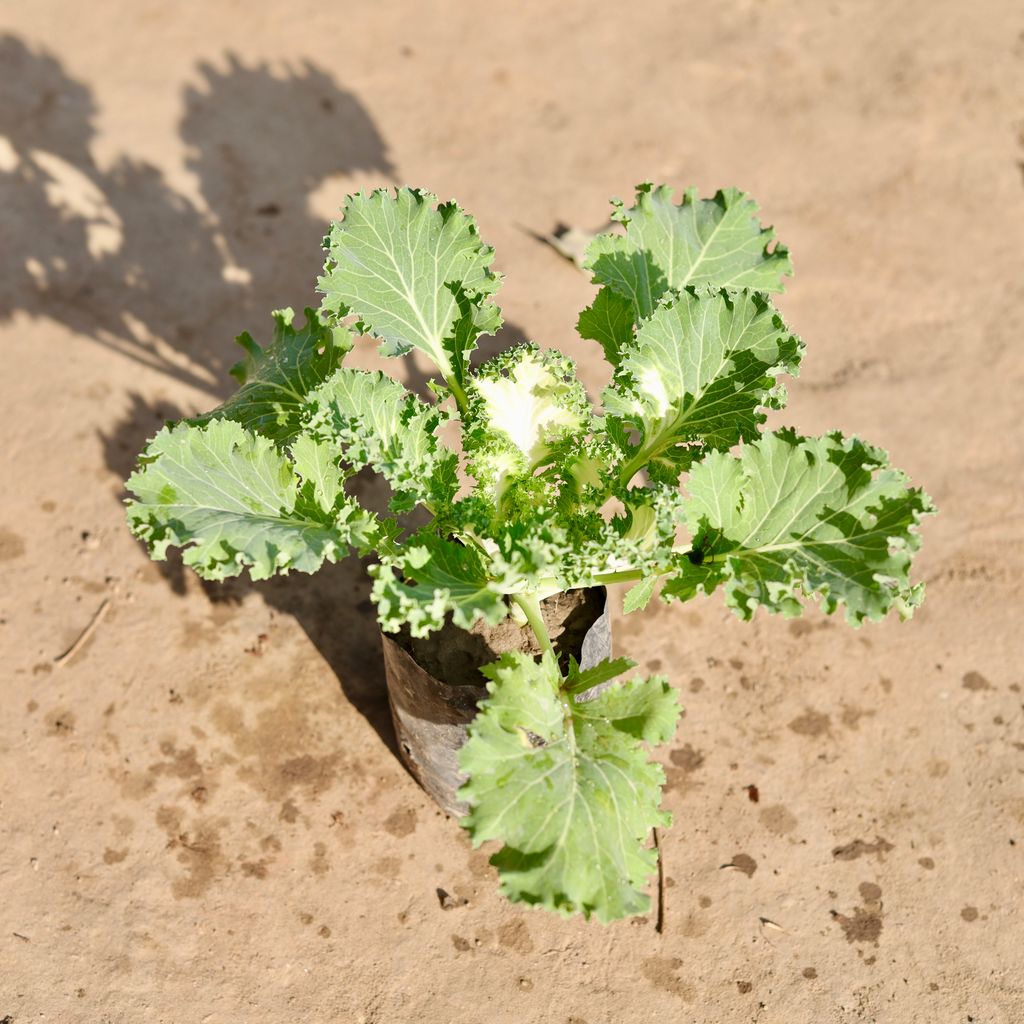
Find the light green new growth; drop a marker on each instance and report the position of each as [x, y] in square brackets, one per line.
[377, 423]
[670, 482]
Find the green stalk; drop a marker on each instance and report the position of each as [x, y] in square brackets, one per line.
[637, 462]
[634, 575]
[530, 606]
[641, 457]
[460, 395]
[622, 576]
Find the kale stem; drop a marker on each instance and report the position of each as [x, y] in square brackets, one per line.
[460, 395]
[641, 457]
[622, 576]
[530, 606]
[602, 579]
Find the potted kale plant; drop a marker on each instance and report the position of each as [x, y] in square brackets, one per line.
[507, 703]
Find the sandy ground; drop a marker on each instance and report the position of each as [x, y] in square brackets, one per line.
[202, 817]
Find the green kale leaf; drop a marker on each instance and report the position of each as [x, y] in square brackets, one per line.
[431, 578]
[414, 276]
[276, 380]
[791, 518]
[567, 786]
[232, 500]
[717, 242]
[372, 420]
[697, 375]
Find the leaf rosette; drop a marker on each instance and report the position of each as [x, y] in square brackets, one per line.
[671, 483]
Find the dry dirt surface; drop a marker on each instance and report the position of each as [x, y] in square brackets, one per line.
[202, 816]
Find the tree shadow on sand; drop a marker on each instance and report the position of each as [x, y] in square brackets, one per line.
[119, 256]
[115, 253]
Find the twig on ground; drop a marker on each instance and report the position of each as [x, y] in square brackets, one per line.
[569, 242]
[63, 659]
[659, 921]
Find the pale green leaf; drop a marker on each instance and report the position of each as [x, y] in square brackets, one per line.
[414, 275]
[318, 466]
[697, 375]
[718, 242]
[580, 680]
[372, 420]
[641, 539]
[431, 578]
[792, 518]
[275, 380]
[232, 500]
[523, 554]
[638, 596]
[646, 709]
[567, 787]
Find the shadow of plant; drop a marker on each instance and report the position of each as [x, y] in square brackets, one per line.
[333, 606]
[260, 145]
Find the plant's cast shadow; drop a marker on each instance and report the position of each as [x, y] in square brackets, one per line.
[116, 253]
[332, 606]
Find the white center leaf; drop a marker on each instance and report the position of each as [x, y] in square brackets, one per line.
[526, 406]
[527, 412]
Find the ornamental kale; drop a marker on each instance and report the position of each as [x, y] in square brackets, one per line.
[670, 481]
